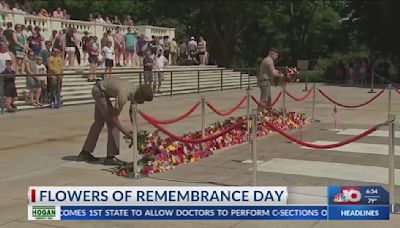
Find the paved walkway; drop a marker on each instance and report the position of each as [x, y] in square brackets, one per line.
[40, 148]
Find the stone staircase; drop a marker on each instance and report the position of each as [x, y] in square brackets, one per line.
[76, 89]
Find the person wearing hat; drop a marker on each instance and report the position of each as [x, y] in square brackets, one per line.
[192, 45]
[55, 68]
[104, 112]
[266, 75]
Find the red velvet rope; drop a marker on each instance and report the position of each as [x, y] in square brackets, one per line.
[262, 105]
[302, 98]
[398, 91]
[193, 141]
[179, 118]
[315, 146]
[228, 112]
[352, 106]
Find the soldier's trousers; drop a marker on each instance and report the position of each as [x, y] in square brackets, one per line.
[102, 114]
[265, 93]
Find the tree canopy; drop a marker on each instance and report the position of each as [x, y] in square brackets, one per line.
[239, 33]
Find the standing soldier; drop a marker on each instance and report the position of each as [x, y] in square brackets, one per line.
[104, 112]
[266, 76]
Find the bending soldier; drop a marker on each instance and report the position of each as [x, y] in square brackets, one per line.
[104, 112]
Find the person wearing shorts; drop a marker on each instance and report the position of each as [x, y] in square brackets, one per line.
[20, 48]
[93, 50]
[70, 46]
[109, 55]
[130, 47]
[32, 82]
[202, 47]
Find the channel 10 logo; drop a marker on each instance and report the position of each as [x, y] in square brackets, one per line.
[348, 195]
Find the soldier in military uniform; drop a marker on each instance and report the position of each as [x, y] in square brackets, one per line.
[104, 112]
[267, 74]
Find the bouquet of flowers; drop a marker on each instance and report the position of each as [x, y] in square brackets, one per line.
[290, 74]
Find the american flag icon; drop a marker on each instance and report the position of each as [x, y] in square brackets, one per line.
[335, 114]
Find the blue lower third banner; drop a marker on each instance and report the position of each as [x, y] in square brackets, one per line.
[353, 212]
[193, 212]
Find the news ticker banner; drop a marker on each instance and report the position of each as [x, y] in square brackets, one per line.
[208, 203]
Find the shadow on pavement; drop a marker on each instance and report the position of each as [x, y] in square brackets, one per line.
[71, 158]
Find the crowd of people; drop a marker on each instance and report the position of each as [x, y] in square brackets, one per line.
[159, 51]
[42, 12]
[359, 71]
[26, 52]
[30, 54]
[60, 13]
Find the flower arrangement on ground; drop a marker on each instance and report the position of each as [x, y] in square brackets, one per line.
[160, 154]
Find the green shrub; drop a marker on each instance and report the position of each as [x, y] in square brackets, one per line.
[313, 76]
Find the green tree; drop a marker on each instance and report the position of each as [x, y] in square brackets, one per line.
[302, 29]
[238, 33]
[375, 24]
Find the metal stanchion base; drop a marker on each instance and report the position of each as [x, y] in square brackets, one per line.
[315, 121]
[371, 91]
[395, 208]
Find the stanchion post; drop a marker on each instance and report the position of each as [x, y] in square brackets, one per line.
[171, 85]
[254, 146]
[248, 113]
[203, 120]
[306, 85]
[313, 104]
[248, 79]
[372, 81]
[198, 81]
[222, 79]
[284, 100]
[2, 98]
[135, 145]
[395, 208]
[241, 75]
[58, 92]
[389, 99]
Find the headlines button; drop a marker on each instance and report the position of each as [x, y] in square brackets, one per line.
[359, 212]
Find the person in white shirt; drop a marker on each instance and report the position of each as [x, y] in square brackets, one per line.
[192, 51]
[100, 19]
[108, 52]
[41, 69]
[161, 61]
[192, 45]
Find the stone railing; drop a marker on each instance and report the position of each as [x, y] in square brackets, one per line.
[48, 24]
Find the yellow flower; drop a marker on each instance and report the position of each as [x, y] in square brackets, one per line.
[171, 148]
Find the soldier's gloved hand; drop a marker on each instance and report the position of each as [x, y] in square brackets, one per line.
[129, 135]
